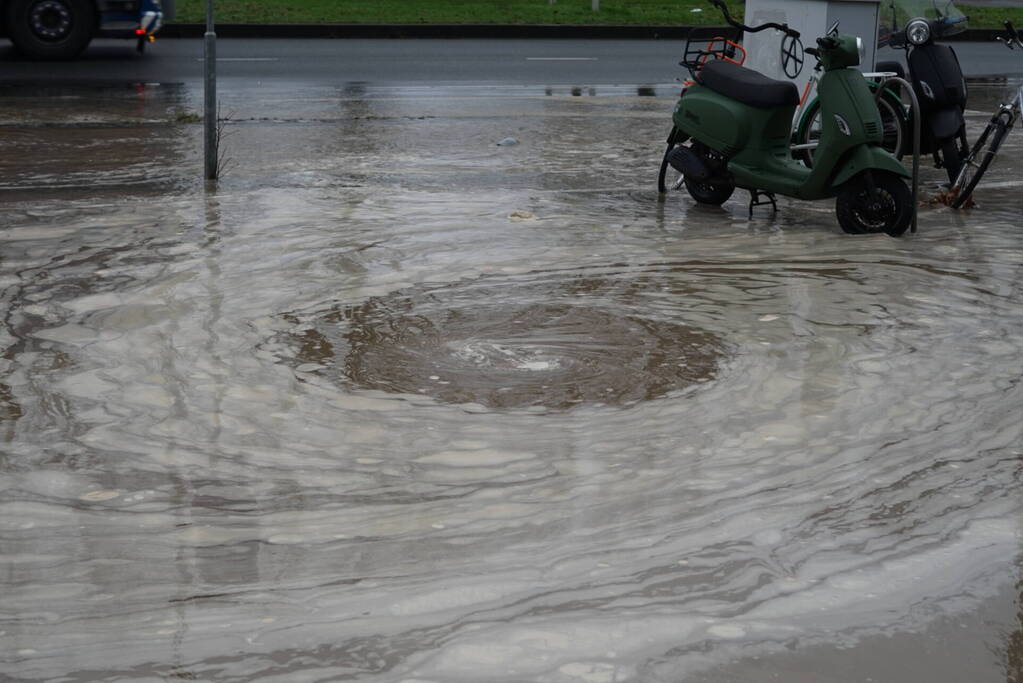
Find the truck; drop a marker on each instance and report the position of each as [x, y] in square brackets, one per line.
[62, 29]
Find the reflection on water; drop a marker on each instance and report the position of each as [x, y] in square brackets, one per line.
[71, 139]
[217, 463]
[1014, 643]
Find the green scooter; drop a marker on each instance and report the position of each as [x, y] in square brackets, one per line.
[738, 123]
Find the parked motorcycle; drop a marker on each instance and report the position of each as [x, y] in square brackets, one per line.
[934, 72]
[738, 126]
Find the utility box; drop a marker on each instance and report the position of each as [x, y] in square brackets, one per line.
[773, 54]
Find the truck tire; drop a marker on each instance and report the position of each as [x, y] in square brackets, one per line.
[50, 29]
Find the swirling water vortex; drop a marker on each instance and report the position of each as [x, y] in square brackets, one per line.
[505, 345]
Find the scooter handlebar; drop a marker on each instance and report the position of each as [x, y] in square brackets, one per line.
[897, 39]
[784, 28]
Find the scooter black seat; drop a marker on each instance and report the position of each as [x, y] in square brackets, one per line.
[747, 86]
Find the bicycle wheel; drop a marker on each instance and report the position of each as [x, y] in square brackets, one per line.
[977, 161]
[894, 125]
[674, 138]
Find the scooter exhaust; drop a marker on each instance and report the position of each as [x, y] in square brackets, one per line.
[686, 162]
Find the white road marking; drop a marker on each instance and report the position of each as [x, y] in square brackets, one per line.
[561, 59]
[242, 59]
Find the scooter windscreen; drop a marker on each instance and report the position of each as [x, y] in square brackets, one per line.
[946, 18]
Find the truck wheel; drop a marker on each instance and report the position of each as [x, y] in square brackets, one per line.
[50, 29]
[885, 205]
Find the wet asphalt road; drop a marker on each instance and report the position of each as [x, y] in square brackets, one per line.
[403, 62]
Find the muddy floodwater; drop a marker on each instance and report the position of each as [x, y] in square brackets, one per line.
[396, 403]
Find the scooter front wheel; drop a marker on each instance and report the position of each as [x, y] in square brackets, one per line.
[875, 201]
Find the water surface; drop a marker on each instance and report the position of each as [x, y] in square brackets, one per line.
[395, 403]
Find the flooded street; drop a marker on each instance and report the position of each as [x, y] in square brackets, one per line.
[396, 403]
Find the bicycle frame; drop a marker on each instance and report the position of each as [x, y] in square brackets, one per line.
[1014, 107]
[880, 77]
[981, 157]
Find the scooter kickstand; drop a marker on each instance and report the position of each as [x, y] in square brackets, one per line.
[754, 200]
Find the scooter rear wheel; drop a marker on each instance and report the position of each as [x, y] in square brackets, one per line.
[705, 192]
[709, 193]
[878, 203]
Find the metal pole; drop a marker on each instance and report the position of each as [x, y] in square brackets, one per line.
[596, 5]
[907, 88]
[210, 112]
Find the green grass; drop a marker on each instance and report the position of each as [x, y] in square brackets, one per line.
[652, 12]
[644, 12]
[992, 17]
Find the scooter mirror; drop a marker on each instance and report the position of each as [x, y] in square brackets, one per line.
[833, 29]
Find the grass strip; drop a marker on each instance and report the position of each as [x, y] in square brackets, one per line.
[628, 12]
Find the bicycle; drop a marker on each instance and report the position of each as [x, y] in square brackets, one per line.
[895, 121]
[983, 152]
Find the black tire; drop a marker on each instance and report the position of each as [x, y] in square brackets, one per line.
[952, 155]
[888, 209]
[709, 193]
[50, 29]
[714, 193]
[894, 124]
[977, 161]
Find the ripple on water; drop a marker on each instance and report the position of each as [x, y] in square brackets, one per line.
[504, 345]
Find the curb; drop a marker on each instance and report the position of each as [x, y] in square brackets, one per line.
[477, 31]
[435, 31]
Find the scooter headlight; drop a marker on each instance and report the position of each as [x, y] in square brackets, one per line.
[918, 31]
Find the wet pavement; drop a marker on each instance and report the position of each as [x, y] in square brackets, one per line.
[395, 403]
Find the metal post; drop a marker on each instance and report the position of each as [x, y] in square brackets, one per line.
[907, 88]
[210, 111]
[596, 5]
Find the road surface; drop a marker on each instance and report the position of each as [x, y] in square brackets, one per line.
[415, 62]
